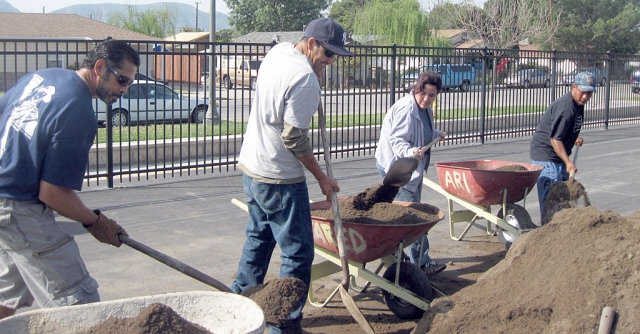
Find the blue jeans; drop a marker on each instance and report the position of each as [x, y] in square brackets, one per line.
[553, 172]
[416, 248]
[278, 213]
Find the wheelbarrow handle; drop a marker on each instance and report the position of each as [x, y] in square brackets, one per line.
[173, 263]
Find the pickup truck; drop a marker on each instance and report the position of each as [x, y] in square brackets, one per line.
[460, 76]
[239, 71]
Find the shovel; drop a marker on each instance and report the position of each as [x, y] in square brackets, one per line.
[400, 172]
[564, 195]
[173, 263]
[337, 224]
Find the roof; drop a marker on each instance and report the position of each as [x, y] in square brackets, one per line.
[268, 37]
[47, 25]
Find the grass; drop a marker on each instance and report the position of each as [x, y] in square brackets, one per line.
[171, 131]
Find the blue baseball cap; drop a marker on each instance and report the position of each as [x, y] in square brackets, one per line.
[585, 81]
[329, 33]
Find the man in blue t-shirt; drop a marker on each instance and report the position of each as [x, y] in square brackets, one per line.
[557, 133]
[47, 126]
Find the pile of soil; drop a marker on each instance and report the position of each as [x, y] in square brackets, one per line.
[154, 319]
[555, 279]
[374, 207]
[512, 168]
[564, 195]
[278, 298]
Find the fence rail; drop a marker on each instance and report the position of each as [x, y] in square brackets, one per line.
[357, 92]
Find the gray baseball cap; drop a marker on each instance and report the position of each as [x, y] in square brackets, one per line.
[585, 81]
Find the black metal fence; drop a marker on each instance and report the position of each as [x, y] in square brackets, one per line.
[486, 98]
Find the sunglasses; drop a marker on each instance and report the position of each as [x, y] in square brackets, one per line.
[327, 53]
[122, 80]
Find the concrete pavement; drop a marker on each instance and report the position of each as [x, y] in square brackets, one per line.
[191, 218]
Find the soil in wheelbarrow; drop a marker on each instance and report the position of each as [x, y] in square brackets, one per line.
[554, 279]
[156, 318]
[373, 206]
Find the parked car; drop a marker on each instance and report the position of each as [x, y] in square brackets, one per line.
[567, 79]
[528, 78]
[141, 76]
[205, 77]
[151, 102]
[634, 79]
[239, 71]
[407, 80]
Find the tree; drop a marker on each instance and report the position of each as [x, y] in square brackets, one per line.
[605, 25]
[273, 15]
[344, 12]
[152, 22]
[397, 21]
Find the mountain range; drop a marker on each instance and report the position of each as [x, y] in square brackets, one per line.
[185, 14]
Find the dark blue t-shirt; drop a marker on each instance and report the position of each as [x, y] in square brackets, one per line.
[46, 130]
[562, 121]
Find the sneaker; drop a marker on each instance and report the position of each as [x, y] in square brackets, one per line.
[432, 268]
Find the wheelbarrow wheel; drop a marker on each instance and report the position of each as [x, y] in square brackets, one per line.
[412, 279]
[518, 217]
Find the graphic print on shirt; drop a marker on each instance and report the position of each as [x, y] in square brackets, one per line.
[577, 125]
[23, 117]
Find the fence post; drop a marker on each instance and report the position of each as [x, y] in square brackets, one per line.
[554, 66]
[483, 97]
[109, 127]
[607, 89]
[392, 87]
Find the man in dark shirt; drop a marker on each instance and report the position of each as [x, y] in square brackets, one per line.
[558, 132]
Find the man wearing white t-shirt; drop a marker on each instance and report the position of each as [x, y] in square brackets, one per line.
[275, 151]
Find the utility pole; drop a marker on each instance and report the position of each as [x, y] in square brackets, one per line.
[551, 21]
[197, 3]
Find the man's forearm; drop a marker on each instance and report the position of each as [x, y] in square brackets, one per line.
[66, 202]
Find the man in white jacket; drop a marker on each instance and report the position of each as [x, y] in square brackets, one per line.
[406, 127]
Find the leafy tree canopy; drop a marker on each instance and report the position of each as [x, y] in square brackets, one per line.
[397, 21]
[598, 26]
[273, 15]
[344, 12]
[152, 22]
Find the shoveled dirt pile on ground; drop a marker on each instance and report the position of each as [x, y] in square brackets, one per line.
[555, 279]
[379, 210]
[278, 298]
[154, 319]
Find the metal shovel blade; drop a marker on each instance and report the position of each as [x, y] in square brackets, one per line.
[400, 172]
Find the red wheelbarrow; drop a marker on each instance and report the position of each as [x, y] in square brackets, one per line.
[406, 289]
[477, 185]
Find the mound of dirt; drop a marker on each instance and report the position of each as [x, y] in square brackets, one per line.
[278, 298]
[154, 319]
[555, 279]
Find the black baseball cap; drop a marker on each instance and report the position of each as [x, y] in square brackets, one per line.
[329, 33]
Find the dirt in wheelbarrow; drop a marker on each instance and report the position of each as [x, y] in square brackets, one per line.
[373, 206]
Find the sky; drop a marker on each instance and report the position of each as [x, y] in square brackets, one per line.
[35, 6]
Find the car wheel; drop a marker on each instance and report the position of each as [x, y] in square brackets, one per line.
[198, 115]
[547, 84]
[465, 87]
[119, 117]
[227, 83]
[527, 84]
[253, 83]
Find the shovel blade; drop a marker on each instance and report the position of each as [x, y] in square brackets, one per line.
[400, 172]
[355, 311]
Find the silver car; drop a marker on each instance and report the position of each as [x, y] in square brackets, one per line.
[528, 78]
[153, 102]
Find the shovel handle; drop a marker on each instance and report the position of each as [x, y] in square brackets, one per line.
[173, 263]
